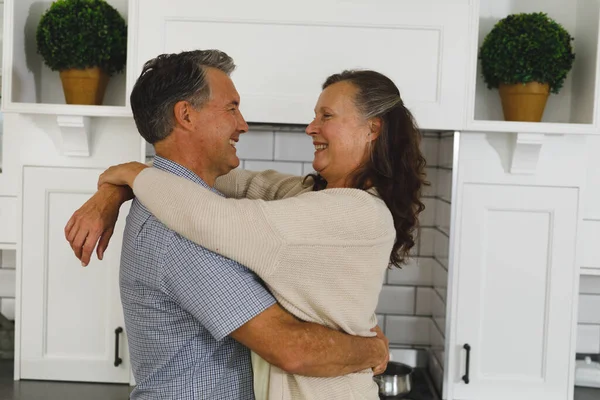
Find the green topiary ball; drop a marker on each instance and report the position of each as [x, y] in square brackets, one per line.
[524, 48]
[82, 34]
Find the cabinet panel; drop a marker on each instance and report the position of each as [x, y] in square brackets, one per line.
[516, 275]
[69, 313]
[285, 53]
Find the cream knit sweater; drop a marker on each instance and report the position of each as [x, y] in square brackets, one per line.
[322, 254]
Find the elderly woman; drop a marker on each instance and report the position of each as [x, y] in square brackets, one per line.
[321, 243]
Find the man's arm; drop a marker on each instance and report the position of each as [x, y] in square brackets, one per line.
[95, 221]
[309, 349]
[228, 300]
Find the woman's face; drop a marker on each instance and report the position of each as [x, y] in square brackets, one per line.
[340, 133]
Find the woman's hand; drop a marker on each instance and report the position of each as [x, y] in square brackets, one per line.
[122, 174]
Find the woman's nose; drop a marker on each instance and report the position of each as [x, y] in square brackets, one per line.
[311, 129]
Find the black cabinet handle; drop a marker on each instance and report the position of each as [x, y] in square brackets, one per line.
[118, 359]
[465, 377]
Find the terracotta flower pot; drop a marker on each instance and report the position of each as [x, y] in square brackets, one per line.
[524, 102]
[84, 86]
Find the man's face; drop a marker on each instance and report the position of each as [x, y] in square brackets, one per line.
[218, 124]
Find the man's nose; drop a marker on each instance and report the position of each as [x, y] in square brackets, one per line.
[242, 124]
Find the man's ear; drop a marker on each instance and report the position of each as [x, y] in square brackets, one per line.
[374, 128]
[181, 111]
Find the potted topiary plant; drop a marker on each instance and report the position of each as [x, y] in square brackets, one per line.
[526, 56]
[86, 40]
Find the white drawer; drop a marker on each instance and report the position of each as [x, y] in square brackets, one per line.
[8, 220]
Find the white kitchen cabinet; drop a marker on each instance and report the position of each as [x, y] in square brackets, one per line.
[285, 50]
[69, 314]
[516, 279]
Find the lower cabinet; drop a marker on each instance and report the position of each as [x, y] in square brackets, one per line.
[516, 275]
[71, 318]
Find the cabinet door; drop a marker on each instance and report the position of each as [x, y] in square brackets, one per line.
[69, 314]
[285, 50]
[516, 276]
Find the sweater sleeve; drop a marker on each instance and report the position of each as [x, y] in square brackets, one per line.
[255, 232]
[264, 185]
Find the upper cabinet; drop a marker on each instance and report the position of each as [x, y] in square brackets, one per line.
[29, 86]
[285, 50]
[574, 109]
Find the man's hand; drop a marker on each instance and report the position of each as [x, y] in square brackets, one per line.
[94, 223]
[379, 369]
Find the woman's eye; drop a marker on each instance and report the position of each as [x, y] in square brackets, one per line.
[326, 115]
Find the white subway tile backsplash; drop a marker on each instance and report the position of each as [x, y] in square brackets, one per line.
[256, 145]
[407, 330]
[589, 284]
[590, 232]
[427, 217]
[307, 168]
[7, 282]
[416, 273]
[436, 371]
[436, 337]
[441, 248]
[438, 311]
[442, 215]
[424, 301]
[396, 300]
[293, 146]
[589, 309]
[431, 177]
[284, 167]
[426, 242]
[381, 321]
[444, 184]
[8, 259]
[440, 279]
[446, 151]
[429, 148]
[7, 308]
[588, 339]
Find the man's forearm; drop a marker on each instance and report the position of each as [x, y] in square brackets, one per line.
[117, 194]
[324, 352]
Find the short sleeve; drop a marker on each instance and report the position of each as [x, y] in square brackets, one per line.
[221, 294]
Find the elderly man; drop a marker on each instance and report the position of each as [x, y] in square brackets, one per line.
[192, 315]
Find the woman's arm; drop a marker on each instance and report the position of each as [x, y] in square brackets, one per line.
[253, 232]
[265, 185]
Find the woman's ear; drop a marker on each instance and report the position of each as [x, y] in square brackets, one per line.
[374, 128]
[181, 111]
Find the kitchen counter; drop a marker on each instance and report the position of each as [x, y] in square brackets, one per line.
[584, 393]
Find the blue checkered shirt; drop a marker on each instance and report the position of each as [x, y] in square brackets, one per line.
[180, 302]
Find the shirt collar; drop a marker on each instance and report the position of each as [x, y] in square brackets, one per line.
[167, 165]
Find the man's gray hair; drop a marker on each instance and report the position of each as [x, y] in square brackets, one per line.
[169, 79]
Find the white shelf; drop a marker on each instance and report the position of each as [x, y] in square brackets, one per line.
[572, 111]
[67, 109]
[29, 86]
[532, 127]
